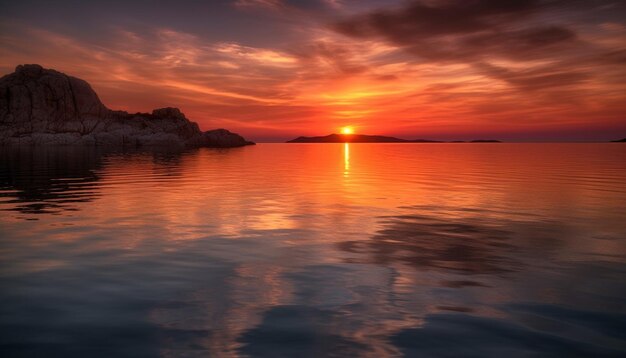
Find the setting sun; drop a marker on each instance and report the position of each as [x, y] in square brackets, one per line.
[347, 130]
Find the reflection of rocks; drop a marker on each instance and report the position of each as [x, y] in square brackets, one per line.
[40, 180]
[48, 181]
[42, 106]
[429, 242]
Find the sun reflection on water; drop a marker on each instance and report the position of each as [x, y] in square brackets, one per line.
[346, 159]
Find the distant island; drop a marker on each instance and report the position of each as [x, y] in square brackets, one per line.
[619, 140]
[40, 106]
[364, 138]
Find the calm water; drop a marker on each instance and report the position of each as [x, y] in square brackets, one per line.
[314, 250]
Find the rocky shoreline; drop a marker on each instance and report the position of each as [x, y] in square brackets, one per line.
[45, 107]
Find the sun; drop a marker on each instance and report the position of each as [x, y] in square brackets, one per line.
[347, 130]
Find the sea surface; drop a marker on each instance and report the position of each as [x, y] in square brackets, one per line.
[314, 250]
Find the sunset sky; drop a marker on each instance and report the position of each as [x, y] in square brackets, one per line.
[276, 69]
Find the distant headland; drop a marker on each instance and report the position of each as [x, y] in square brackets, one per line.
[41, 106]
[364, 138]
[623, 140]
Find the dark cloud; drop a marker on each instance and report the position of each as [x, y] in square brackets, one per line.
[420, 20]
[462, 30]
[480, 32]
[543, 77]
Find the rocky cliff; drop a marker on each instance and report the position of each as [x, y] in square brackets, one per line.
[42, 106]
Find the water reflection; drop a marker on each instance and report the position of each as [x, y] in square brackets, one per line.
[467, 245]
[315, 250]
[346, 159]
[37, 180]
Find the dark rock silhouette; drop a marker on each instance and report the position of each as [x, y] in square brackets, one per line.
[43, 106]
[619, 140]
[357, 138]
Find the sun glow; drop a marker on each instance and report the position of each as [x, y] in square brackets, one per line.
[347, 130]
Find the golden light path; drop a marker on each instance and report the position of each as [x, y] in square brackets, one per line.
[346, 159]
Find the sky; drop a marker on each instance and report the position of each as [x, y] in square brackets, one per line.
[271, 70]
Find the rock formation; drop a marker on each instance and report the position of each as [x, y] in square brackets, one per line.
[42, 106]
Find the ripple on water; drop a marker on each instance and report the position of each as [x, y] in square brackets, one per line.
[319, 250]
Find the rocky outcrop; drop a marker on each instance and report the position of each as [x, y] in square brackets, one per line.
[221, 138]
[42, 106]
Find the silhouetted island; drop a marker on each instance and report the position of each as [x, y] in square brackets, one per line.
[44, 106]
[619, 140]
[356, 138]
[364, 138]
